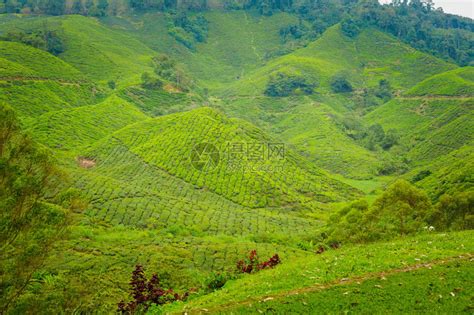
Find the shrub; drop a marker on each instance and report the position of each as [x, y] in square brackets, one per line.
[197, 26]
[384, 90]
[420, 176]
[217, 281]
[181, 36]
[402, 209]
[282, 84]
[151, 83]
[146, 293]
[46, 40]
[252, 264]
[339, 84]
[454, 211]
[168, 69]
[350, 28]
[112, 84]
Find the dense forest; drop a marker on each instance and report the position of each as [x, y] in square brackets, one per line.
[416, 22]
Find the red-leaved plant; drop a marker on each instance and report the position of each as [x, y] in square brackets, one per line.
[147, 292]
[252, 264]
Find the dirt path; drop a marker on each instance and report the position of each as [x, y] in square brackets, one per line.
[437, 97]
[343, 281]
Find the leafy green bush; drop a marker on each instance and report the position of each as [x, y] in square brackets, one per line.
[283, 84]
[454, 212]
[46, 40]
[340, 84]
[112, 84]
[217, 280]
[402, 209]
[168, 69]
[150, 82]
[350, 28]
[197, 26]
[181, 36]
[421, 175]
[384, 90]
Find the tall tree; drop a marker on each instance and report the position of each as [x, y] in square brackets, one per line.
[31, 219]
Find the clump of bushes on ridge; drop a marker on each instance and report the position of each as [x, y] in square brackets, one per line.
[401, 210]
[283, 84]
[46, 40]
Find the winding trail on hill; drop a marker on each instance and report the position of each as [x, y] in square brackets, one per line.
[343, 281]
[252, 38]
[437, 97]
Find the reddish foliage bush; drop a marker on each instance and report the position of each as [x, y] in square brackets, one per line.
[335, 245]
[147, 292]
[320, 250]
[252, 264]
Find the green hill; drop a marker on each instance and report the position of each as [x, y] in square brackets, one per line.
[311, 127]
[237, 42]
[187, 175]
[35, 82]
[244, 160]
[71, 129]
[22, 61]
[364, 60]
[448, 174]
[429, 126]
[459, 82]
[100, 53]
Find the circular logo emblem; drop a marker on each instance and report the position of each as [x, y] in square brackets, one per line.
[205, 157]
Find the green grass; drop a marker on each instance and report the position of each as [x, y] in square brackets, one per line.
[348, 262]
[439, 289]
[89, 272]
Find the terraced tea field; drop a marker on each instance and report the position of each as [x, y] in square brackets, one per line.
[144, 177]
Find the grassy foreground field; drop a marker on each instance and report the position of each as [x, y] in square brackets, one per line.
[427, 272]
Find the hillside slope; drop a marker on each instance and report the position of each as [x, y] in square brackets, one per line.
[100, 53]
[35, 82]
[237, 42]
[71, 129]
[273, 289]
[432, 120]
[246, 169]
[364, 60]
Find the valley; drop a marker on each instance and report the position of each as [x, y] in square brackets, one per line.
[337, 151]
